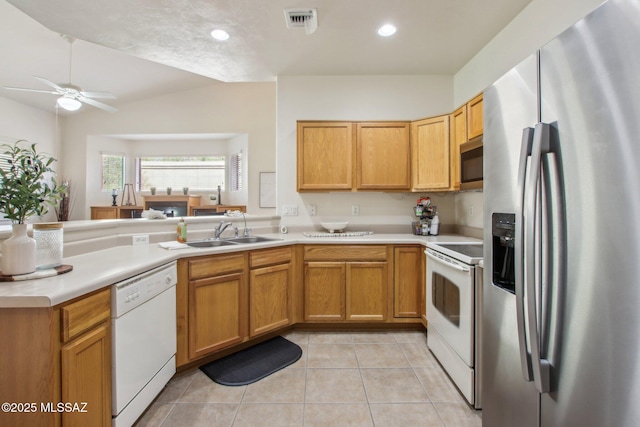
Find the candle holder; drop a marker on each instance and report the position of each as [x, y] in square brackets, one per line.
[115, 196]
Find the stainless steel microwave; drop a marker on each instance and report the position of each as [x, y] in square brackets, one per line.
[471, 164]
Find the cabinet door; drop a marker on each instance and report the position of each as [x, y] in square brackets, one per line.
[383, 156]
[458, 137]
[367, 288]
[217, 313]
[475, 117]
[269, 298]
[408, 281]
[325, 156]
[430, 154]
[324, 291]
[86, 377]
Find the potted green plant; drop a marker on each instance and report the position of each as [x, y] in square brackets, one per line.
[27, 188]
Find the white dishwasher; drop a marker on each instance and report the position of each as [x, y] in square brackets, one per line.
[143, 321]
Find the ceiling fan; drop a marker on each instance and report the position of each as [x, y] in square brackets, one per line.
[71, 96]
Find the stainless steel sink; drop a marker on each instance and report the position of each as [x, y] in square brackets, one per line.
[252, 239]
[209, 243]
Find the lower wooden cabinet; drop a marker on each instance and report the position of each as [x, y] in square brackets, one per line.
[409, 281]
[57, 354]
[367, 288]
[217, 303]
[86, 377]
[270, 280]
[353, 290]
[324, 291]
[231, 298]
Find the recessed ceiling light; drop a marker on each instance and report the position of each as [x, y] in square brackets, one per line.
[221, 35]
[387, 30]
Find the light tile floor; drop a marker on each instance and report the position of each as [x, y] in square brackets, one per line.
[343, 379]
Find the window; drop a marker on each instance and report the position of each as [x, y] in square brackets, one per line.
[235, 172]
[195, 172]
[112, 171]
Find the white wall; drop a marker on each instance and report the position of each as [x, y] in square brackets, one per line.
[19, 121]
[131, 149]
[355, 98]
[239, 108]
[537, 24]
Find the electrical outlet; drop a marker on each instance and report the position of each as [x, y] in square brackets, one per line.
[313, 211]
[140, 239]
[355, 209]
[471, 211]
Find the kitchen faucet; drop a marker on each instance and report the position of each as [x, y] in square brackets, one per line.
[220, 229]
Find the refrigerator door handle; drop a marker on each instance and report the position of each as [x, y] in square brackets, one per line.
[525, 154]
[541, 143]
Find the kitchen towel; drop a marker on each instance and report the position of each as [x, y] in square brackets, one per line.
[173, 245]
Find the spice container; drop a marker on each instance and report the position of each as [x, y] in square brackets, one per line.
[49, 239]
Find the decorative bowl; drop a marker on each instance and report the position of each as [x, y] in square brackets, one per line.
[334, 227]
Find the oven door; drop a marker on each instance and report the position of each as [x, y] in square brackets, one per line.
[450, 297]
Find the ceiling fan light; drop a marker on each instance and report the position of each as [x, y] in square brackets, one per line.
[387, 30]
[69, 103]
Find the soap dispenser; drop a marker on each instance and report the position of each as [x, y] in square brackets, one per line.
[435, 225]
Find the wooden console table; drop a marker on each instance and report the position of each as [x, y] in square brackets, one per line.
[187, 200]
[115, 212]
[213, 209]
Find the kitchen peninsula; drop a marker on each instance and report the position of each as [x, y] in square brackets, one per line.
[38, 318]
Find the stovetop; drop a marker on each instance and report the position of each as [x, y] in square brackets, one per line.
[473, 250]
[467, 252]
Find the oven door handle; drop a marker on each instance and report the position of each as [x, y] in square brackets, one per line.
[446, 262]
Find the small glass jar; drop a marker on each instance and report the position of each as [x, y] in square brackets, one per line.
[49, 239]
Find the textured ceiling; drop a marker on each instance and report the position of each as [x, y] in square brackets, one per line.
[121, 42]
[434, 36]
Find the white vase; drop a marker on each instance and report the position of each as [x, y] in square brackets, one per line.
[18, 252]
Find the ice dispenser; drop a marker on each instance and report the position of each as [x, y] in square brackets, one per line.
[503, 269]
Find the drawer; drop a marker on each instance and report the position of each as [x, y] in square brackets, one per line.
[269, 257]
[211, 266]
[83, 314]
[345, 252]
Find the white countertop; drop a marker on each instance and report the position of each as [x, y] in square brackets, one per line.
[96, 270]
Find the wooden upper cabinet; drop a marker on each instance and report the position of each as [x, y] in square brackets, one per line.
[383, 156]
[430, 154]
[325, 153]
[458, 136]
[474, 117]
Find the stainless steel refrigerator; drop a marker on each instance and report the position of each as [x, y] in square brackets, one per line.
[561, 324]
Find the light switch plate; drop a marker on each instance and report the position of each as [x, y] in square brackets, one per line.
[290, 210]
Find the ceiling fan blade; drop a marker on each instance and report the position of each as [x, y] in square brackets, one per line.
[50, 83]
[97, 104]
[31, 90]
[102, 95]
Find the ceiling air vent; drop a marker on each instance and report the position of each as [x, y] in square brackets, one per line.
[302, 18]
